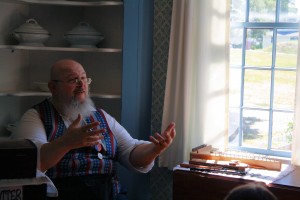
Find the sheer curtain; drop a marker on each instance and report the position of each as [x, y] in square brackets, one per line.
[196, 96]
[296, 137]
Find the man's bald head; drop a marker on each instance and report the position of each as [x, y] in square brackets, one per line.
[62, 67]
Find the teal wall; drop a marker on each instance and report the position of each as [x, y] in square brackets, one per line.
[147, 26]
[136, 85]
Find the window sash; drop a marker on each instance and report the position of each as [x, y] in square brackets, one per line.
[274, 26]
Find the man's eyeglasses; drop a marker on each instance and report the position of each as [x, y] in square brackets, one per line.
[74, 81]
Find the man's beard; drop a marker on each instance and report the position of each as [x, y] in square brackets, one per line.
[75, 107]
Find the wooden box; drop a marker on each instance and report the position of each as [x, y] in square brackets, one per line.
[18, 159]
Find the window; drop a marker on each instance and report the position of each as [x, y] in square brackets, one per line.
[263, 58]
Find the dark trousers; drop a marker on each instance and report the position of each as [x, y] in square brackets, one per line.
[84, 188]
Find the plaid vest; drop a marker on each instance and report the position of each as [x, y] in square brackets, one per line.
[81, 161]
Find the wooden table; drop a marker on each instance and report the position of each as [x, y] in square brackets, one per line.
[189, 185]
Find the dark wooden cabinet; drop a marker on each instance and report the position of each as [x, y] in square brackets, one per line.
[196, 185]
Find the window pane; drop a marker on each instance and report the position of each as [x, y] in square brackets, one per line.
[238, 10]
[262, 85]
[255, 128]
[284, 89]
[287, 47]
[282, 130]
[234, 125]
[259, 47]
[236, 44]
[262, 10]
[234, 87]
[257, 88]
[289, 11]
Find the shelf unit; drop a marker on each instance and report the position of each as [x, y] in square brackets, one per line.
[21, 66]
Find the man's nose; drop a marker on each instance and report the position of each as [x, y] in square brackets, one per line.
[79, 82]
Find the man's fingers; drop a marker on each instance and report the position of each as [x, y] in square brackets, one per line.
[91, 126]
[173, 133]
[77, 120]
[170, 126]
[97, 133]
[166, 137]
[153, 140]
[160, 138]
[157, 139]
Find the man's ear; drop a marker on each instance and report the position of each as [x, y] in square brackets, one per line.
[52, 87]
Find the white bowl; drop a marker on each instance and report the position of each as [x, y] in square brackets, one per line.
[43, 86]
[31, 39]
[11, 127]
[83, 35]
[31, 33]
[83, 40]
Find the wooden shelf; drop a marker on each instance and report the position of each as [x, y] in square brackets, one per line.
[68, 49]
[40, 93]
[74, 3]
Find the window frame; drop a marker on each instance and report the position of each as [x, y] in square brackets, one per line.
[274, 26]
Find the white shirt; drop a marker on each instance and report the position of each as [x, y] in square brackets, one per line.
[31, 127]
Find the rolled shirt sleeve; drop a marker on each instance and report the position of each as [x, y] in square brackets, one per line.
[31, 127]
[125, 144]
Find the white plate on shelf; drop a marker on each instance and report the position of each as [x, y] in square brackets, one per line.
[42, 86]
[84, 0]
[11, 127]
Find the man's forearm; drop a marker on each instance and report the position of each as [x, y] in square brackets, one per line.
[143, 155]
[51, 153]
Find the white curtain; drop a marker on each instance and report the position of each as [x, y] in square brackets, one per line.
[196, 96]
[296, 138]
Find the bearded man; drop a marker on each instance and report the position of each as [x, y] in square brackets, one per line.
[79, 144]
